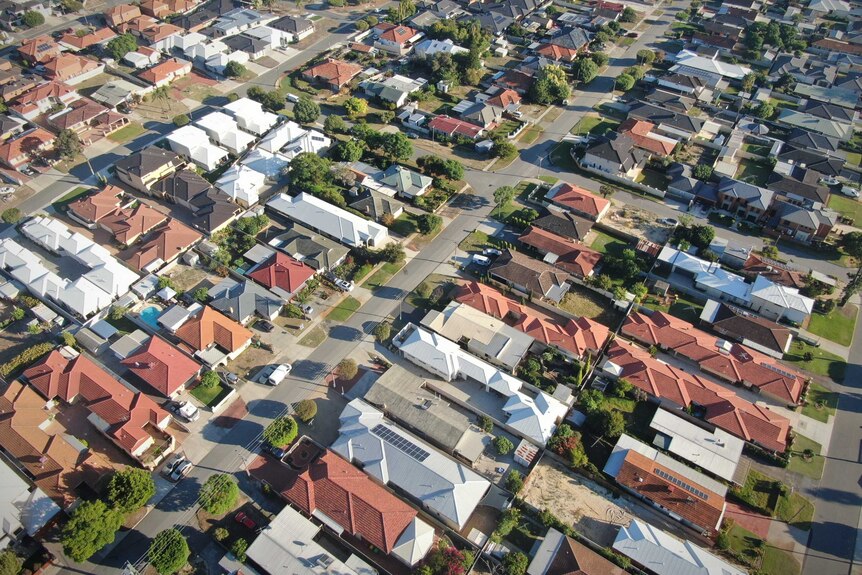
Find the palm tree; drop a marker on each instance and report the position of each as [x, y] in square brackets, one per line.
[162, 94]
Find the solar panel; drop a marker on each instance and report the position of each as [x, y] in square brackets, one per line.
[400, 443]
[678, 482]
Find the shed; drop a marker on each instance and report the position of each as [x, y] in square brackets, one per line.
[126, 345]
[103, 329]
[91, 341]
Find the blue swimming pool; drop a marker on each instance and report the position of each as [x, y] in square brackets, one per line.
[151, 315]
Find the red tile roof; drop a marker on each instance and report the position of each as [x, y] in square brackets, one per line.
[504, 99]
[344, 493]
[723, 408]
[11, 151]
[167, 242]
[580, 200]
[210, 327]
[736, 363]
[451, 126]
[98, 205]
[164, 367]
[125, 411]
[639, 131]
[39, 49]
[165, 70]
[570, 256]
[284, 272]
[122, 13]
[56, 91]
[397, 33]
[94, 37]
[80, 115]
[836, 46]
[577, 336]
[131, 223]
[67, 66]
[554, 52]
[333, 72]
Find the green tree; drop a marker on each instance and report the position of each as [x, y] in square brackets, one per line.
[515, 563]
[349, 150]
[355, 107]
[220, 493]
[609, 423]
[852, 244]
[31, 19]
[625, 82]
[640, 291]
[764, 110]
[585, 70]
[234, 69]
[382, 331]
[239, 547]
[347, 368]
[514, 481]
[703, 172]
[600, 58]
[629, 15]
[362, 25]
[486, 424]
[121, 45]
[429, 224]
[503, 196]
[701, 236]
[334, 124]
[281, 431]
[604, 282]
[306, 111]
[386, 116]
[210, 379]
[181, 120]
[169, 552]
[396, 146]
[130, 489]
[592, 400]
[552, 85]
[17, 314]
[92, 526]
[68, 339]
[9, 563]
[646, 56]
[504, 149]
[11, 215]
[503, 445]
[306, 410]
[67, 144]
[748, 82]
[72, 5]
[308, 171]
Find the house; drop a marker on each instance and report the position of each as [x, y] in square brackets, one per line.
[309, 247]
[709, 448]
[273, 38]
[143, 168]
[429, 48]
[166, 244]
[669, 100]
[645, 138]
[242, 184]
[845, 97]
[328, 219]
[162, 8]
[324, 485]
[571, 39]
[730, 362]
[282, 274]
[617, 155]
[527, 412]
[452, 128]
[223, 130]
[482, 114]
[575, 338]
[559, 554]
[751, 331]
[830, 111]
[692, 63]
[561, 252]
[804, 69]
[11, 90]
[181, 187]
[213, 337]
[239, 20]
[790, 161]
[557, 53]
[115, 93]
[482, 335]
[377, 206]
[298, 28]
[530, 276]
[129, 224]
[240, 301]
[98, 37]
[292, 139]
[72, 69]
[212, 211]
[578, 201]
[17, 152]
[666, 122]
[43, 98]
[743, 200]
[334, 74]
[778, 302]
[254, 47]
[193, 143]
[271, 166]
[443, 487]
[395, 38]
[162, 367]
[493, 22]
[800, 138]
[663, 554]
[121, 14]
[92, 208]
[10, 127]
[395, 89]
[689, 496]
[142, 58]
[166, 72]
[250, 116]
[201, 52]
[565, 224]
[133, 421]
[831, 127]
[405, 182]
[27, 510]
[39, 50]
[89, 120]
[803, 224]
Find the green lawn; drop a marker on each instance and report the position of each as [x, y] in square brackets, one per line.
[835, 326]
[127, 133]
[798, 464]
[433, 291]
[477, 241]
[796, 510]
[652, 178]
[61, 203]
[595, 126]
[524, 189]
[549, 179]
[210, 396]
[779, 562]
[755, 552]
[383, 275]
[344, 310]
[405, 225]
[759, 149]
[683, 308]
[821, 363]
[847, 207]
[530, 135]
[854, 158]
[608, 244]
[758, 492]
[314, 338]
[820, 403]
[753, 172]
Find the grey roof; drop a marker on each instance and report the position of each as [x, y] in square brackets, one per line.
[126, 345]
[243, 43]
[482, 114]
[810, 218]
[829, 111]
[182, 186]
[8, 123]
[240, 300]
[670, 100]
[659, 116]
[292, 24]
[813, 160]
[620, 150]
[376, 205]
[22, 506]
[404, 180]
[754, 196]
[744, 326]
[309, 247]
[493, 22]
[238, 17]
[146, 161]
[114, 93]
[573, 38]
[801, 138]
[799, 184]
[805, 68]
[564, 223]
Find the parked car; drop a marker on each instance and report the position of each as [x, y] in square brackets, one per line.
[172, 463]
[668, 222]
[632, 35]
[264, 326]
[480, 260]
[344, 285]
[184, 410]
[278, 375]
[245, 520]
[181, 470]
[277, 452]
[307, 309]
[492, 252]
[850, 192]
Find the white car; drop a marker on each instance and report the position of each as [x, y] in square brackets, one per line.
[480, 260]
[189, 411]
[278, 375]
[668, 222]
[307, 309]
[6, 190]
[181, 470]
[344, 285]
[850, 192]
[492, 252]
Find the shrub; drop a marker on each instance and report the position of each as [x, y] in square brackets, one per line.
[210, 379]
[221, 534]
[306, 410]
[514, 481]
[130, 489]
[234, 70]
[508, 521]
[11, 215]
[486, 423]
[503, 445]
[181, 120]
[32, 19]
[68, 339]
[281, 431]
[239, 547]
[382, 331]
[219, 494]
[515, 563]
[26, 357]
[169, 552]
[347, 368]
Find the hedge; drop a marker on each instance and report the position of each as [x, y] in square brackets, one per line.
[26, 357]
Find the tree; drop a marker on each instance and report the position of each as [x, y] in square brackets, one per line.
[429, 224]
[515, 563]
[486, 424]
[347, 368]
[92, 526]
[169, 552]
[610, 423]
[18, 314]
[68, 339]
[306, 111]
[11, 215]
[9, 563]
[386, 116]
[504, 149]
[504, 196]
[239, 547]
[508, 522]
[121, 45]
[585, 70]
[281, 431]
[723, 541]
[703, 172]
[220, 492]
[604, 282]
[306, 410]
[334, 124]
[629, 15]
[349, 150]
[764, 110]
[625, 82]
[382, 331]
[31, 19]
[130, 489]
[181, 120]
[362, 25]
[234, 69]
[308, 171]
[503, 445]
[67, 144]
[514, 481]
[639, 290]
[272, 100]
[600, 58]
[701, 236]
[748, 82]
[592, 400]
[72, 5]
[852, 244]
[393, 253]
[396, 146]
[210, 379]
[552, 85]
[355, 107]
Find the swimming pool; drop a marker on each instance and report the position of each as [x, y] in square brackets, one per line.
[151, 315]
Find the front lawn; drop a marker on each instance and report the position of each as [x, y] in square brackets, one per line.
[345, 309]
[477, 241]
[530, 135]
[405, 225]
[820, 403]
[382, 276]
[821, 362]
[432, 292]
[755, 552]
[561, 156]
[210, 396]
[314, 338]
[127, 133]
[847, 207]
[61, 203]
[607, 244]
[764, 493]
[837, 325]
[595, 126]
[812, 467]
[796, 510]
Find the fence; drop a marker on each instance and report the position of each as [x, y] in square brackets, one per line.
[624, 181]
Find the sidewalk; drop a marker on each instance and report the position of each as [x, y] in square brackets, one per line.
[827, 345]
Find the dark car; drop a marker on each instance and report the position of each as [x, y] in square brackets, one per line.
[245, 520]
[264, 326]
[277, 452]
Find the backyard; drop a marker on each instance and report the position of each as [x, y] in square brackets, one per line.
[848, 207]
[837, 325]
[752, 172]
[583, 302]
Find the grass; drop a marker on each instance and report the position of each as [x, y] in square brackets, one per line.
[854, 158]
[847, 207]
[652, 178]
[506, 128]
[530, 135]
[595, 126]
[432, 292]
[314, 338]
[383, 275]
[753, 172]
[344, 310]
[796, 510]
[820, 403]
[821, 363]
[779, 562]
[835, 326]
[607, 244]
[549, 179]
[477, 241]
[813, 467]
[127, 133]
[758, 491]
[753, 551]
[61, 203]
[759, 149]
[625, 41]
[405, 225]
[683, 308]
[584, 302]
[210, 396]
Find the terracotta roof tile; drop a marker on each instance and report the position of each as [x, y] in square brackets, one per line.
[98, 205]
[167, 242]
[210, 327]
[570, 256]
[161, 365]
[284, 272]
[129, 224]
[580, 200]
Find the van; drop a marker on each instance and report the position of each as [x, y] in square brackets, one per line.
[481, 260]
[292, 98]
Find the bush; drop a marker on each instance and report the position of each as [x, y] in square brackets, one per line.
[32, 19]
[306, 410]
[239, 547]
[210, 379]
[347, 368]
[281, 431]
[169, 552]
[9, 563]
[130, 489]
[221, 534]
[234, 70]
[220, 493]
[306, 110]
[181, 120]
[723, 541]
[514, 481]
[515, 563]
[382, 331]
[11, 215]
[486, 424]
[26, 357]
[503, 445]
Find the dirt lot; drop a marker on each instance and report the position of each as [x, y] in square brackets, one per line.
[187, 277]
[576, 501]
[637, 222]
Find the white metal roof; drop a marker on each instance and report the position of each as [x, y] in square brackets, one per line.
[706, 273]
[251, 116]
[782, 296]
[329, 219]
[21, 507]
